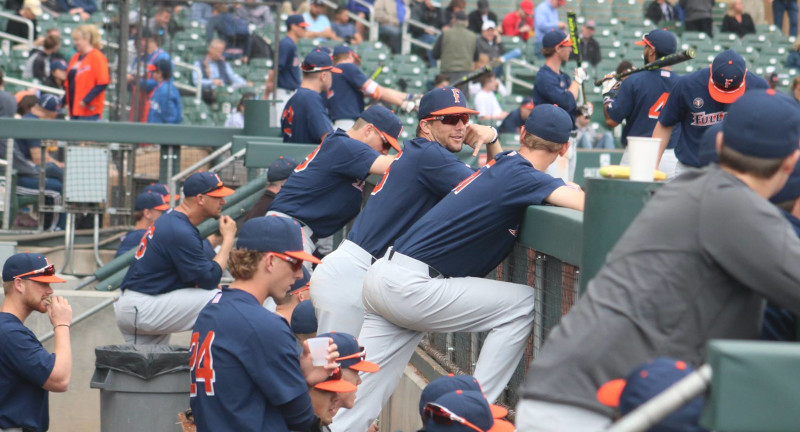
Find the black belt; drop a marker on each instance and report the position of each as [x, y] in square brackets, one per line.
[432, 272]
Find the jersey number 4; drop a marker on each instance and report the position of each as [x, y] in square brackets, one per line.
[143, 243]
[655, 110]
[201, 363]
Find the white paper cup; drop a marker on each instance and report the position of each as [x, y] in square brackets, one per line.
[643, 156]
[319, 350]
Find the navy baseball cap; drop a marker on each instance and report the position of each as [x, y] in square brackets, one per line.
[462, 411]
[274, 234]
[345, 49]
[301, 283]
[318, 61]
[296, 20]
[304, 319]
[662, 41]
[550, 123]
[555, 39]
[726, 82]
[443, 101]
[527, 103]
[50, 102]
[150, 200]
[386, 122]
[31, 266]
[764, 124]
[160, 189]
[707, 152]
[450, 383]
[281, 169]
[58, 64]
[351, 354]
[205, 183]
[791, 191]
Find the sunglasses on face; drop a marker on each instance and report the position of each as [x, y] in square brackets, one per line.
[386, 145]
[362, 354]
[443, 416]
[45, 271]
[336, 375]
[296, 263]
[452, 119]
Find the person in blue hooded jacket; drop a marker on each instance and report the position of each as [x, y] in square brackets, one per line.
[165, 103]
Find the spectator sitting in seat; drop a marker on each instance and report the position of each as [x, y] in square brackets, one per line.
[38, 64]
[165, 101]
[736, 21]
[519, 22]
[216, 72]
[29, 9]
[147, 208]
[319, 26]
[200, 12]
[344, 29]
[516, 119]
[360, 10]
[486, 99]
[660, 10]
[429, 14]
[84, 8]
[489, 41]
[388, 15]
[590, 49]
[793, 60]
[232, 29]
[260, 15]
[236, 119]
[587, 136]
[481, 15]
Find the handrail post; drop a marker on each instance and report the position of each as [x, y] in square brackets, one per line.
[7, 192]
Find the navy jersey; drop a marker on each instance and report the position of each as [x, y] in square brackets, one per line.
[690, 105]
[420, 176]
[474, 227]
[326, 189]
[305, 118]
[28, 145]
[244, 365]
[552, 88]
[171, 256]
[512, 122]
[345, 100]
[24, 368]
[640, 99]
[133, 237]
[288, 65]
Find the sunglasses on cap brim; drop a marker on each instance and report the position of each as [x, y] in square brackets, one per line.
[443, 416]
[451, 119]
[363, 365]
[44, 274]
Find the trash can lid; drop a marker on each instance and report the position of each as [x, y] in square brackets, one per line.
[142, 361]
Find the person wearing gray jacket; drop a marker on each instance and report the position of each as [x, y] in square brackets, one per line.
[696, 264]
[697, 15]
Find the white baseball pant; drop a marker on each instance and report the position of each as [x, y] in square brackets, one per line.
[336, 287]
[402, 302]
[542, 416]
[344, 124]
[150, 319]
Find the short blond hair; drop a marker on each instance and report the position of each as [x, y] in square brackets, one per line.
[90, 32]
[243, 263]
[534, 142]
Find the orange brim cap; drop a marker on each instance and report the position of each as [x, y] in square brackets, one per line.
[365, 366]
[454, 110]
[498, 412]
[392, 141]
[303, 255]
[162, 207]
[46, 279]
[334, 69]
[221, 191]
[336, 386]
[502, 426]
[303, 24]
[726, 97]
[608, 394]
[566, 42]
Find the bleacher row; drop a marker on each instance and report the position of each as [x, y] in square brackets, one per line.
[619, 24]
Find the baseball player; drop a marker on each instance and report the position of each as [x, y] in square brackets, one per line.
[701, 99]
[422, 175]
[326, 189]
[432, 279]
[516, 119]
[161, 189]
[694, 265]
[297, 293]
[305, 117]
[462, 411]
[288, 66]
[277, 173]
[352, 358]
[304, 321]
[640, 97]
[552, 86]
[171, 277]
[246, 374]
[27, 371]
[450, 383]
[346, 98]
[148, 207]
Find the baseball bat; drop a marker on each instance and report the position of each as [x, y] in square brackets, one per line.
[572, 25]
[377, 71]
[477, 73]
[669, 60]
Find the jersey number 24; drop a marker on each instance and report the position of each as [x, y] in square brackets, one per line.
[201, 363]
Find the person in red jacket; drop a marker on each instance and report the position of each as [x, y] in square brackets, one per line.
[519, 22]
[87, 75]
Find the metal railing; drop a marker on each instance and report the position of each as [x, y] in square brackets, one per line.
[27, 22]
[198, 87]
[408, 40]
[511, 80]
[173, 180]
[372, 29]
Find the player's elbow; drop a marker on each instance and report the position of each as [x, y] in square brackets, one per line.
[57, 384]
[611, 123]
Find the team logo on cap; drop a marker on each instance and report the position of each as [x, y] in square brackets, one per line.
[456, 96]
[698, 103]
[728, 83]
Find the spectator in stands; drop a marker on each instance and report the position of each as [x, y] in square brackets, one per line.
[294, 7]
[344, 29]
[390, 15]
[215, 71]
[489, 41]
[277, 173]
[38, 64]
[451, 9]
[87, 75]
[429, 14]
[297, 293]
[231, 29]
[171, 278]
[200, 12]
[660, 10]
[796, 89]
[588, 137]
[485, 99]
[480, 15]
[546, 19]
[260, 15]
[148, 207]
[520, 22]
[8, 103]
[698, 15]
[457, 47]
[788, 6]
[236, 119]
[516, 119]
[361, 11]
[793, 60]
[319, 26]
[27, 101]
[590, 49]
[29, 372]
[84, 8]
[162, 25]
[58, 74]
[756, 10]
[142, 92]
[29, 9]
[165, 100]
[736, 21]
